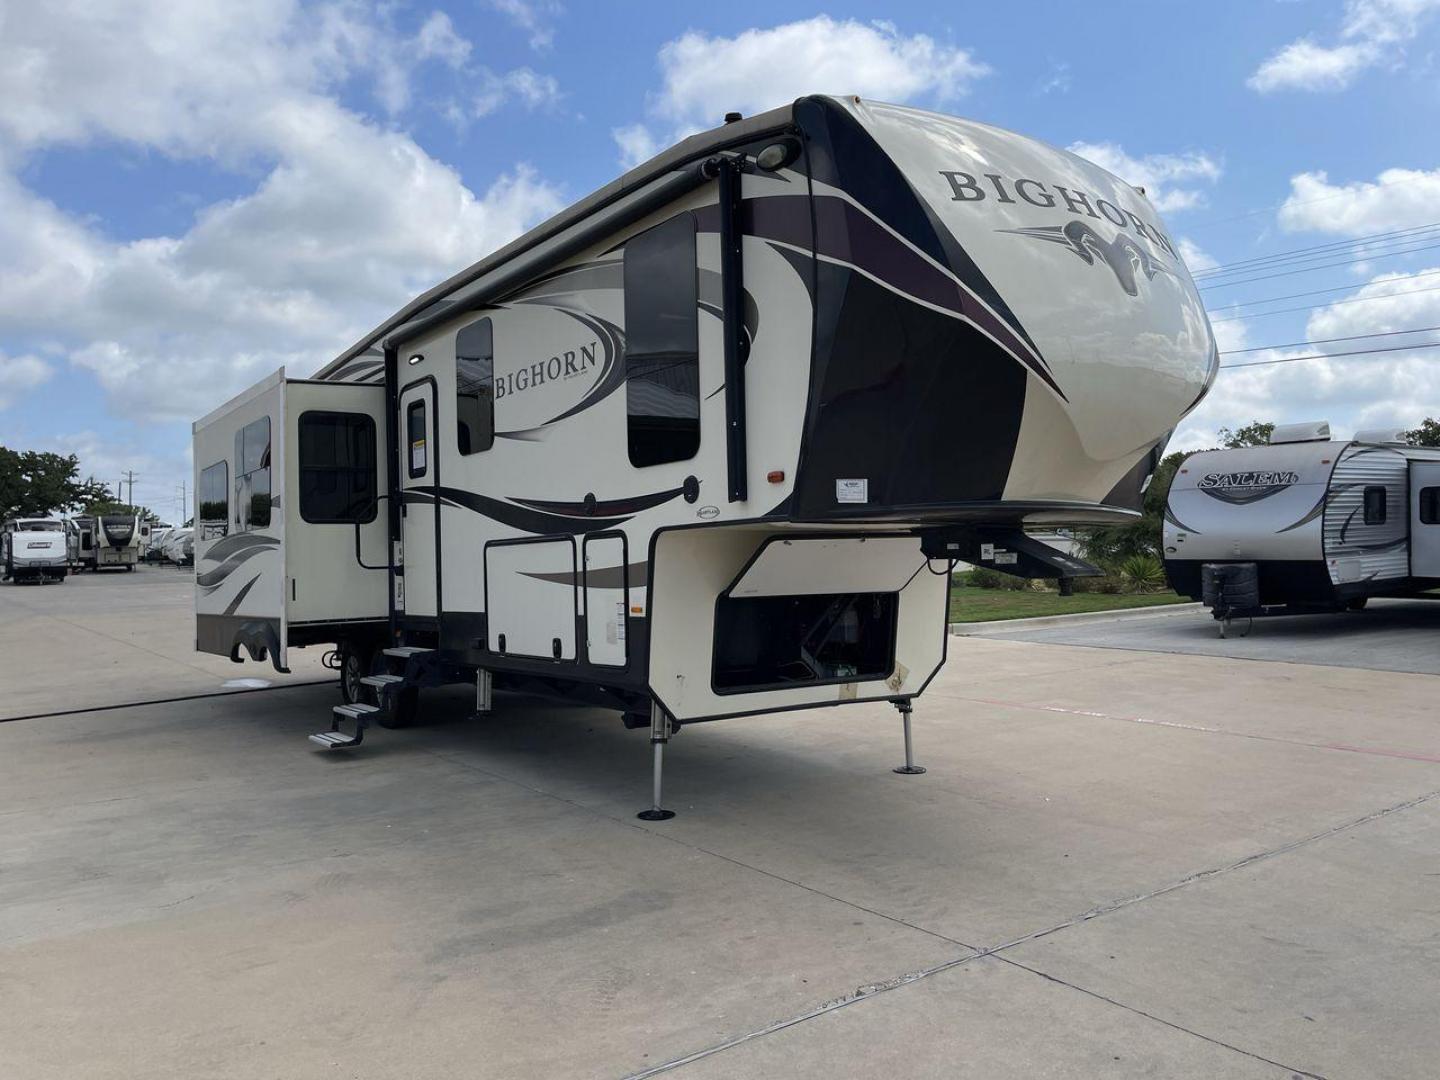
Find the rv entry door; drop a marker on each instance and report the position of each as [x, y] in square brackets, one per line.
[1425, 519]
[419, 500]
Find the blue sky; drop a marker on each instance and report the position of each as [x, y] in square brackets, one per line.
[193, 194]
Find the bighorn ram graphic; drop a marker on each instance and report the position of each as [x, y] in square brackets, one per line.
[1123, 255]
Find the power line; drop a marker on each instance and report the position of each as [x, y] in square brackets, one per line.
[1328, 303]
[1369, 238]
[1332, 355]
[1332, 340]
[1333, 288]
[1362, 253]
[1323, 266]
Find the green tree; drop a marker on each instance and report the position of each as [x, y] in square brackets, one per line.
[1427, 434]
[1111, 545]
[34, 483]
[1255, 433]
[110, 506]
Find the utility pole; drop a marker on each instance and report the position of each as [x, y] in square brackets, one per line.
[130, 479]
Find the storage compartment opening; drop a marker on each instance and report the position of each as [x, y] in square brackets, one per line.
[768, 642]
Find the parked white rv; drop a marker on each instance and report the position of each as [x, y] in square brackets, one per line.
[107, 541]
[705, 443]
[1324, 523]
[33, 549]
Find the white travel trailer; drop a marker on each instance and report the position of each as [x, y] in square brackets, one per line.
[107, 541]
[33, 549]
[706, 443]
[1325, 524]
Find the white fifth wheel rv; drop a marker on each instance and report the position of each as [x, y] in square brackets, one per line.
[107, 541]
[706, 443]
[1306, 523]
[33, 549]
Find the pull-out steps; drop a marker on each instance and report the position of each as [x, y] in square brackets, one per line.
[335, 739]
[405, 652]
[382, 682]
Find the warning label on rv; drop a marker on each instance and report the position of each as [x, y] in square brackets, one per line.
[852, 491]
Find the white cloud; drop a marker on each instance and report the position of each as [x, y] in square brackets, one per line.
[1196, 258]
[530, 88]
[1373, 32]
[636, 144]
[437, 38]
[535, 17]
[704, 77]
[1360, 391]
[1168, 179]
[1396, 199]
[348, 221]
[19, 374]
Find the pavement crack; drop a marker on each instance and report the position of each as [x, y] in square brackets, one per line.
[1160, 1019]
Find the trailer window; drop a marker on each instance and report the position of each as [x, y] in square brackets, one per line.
[1375, 505]
[1430, 506]
[337, 468]
[418, 460]
[767, 642]
[475, 387]
[662, 344]
[214, 500]
[252, 472]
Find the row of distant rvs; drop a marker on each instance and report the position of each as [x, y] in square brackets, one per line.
[46, 549]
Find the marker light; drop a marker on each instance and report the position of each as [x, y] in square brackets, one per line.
[415, 359]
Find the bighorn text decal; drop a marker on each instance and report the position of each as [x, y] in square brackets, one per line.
[1245, 487]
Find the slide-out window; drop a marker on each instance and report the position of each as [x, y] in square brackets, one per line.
[475, 387]
[337, 468]
[252, 471]
[771, 642]
[1375, 505]
[214, 517]
[662, 343]
[1430, 506]
[416, 440]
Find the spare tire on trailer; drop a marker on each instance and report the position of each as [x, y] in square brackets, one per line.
[1230, 587]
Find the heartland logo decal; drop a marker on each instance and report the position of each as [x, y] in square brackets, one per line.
[1245, 487]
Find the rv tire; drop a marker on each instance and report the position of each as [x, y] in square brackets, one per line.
[356, 661]
[400, 709]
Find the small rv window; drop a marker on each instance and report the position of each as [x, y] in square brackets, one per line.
[662, 345]
[475, 387]
[1375, 505]
[1430, 506]
[337, 468]
[415, 430]
[214, 500]
[252, 466]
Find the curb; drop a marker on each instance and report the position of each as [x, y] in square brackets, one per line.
[1079, 618]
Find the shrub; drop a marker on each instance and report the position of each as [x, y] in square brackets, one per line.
[982, 577]
[1106, 583]
[1143, 573]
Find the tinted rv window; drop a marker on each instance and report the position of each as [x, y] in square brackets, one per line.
[252, 471]
[1430, 506]
[415, 439]
[1375, 505]
[475, 387]
[337, 467]
[214, 500]
[662, 346]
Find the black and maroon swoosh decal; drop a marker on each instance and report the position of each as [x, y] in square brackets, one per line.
[542, 517]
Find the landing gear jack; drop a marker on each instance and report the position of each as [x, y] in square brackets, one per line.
[909, 768]
[661, 729]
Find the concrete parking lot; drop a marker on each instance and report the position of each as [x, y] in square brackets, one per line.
[1121, 863]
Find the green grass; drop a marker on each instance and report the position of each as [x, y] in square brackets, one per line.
[981, 605]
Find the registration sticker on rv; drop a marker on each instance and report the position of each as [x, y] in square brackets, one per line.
[852, 491]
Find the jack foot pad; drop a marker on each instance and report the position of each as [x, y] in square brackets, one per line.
[655, 815]
[909, 770]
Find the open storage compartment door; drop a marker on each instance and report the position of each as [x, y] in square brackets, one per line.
[239, 532]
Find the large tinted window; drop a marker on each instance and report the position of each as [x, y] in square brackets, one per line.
[1430, 506]
[662, 349]
[337, 467]
[252, 471]
[214, 519]
[475, 387]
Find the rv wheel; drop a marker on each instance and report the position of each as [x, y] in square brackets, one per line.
[355, 664]
[401, 709]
